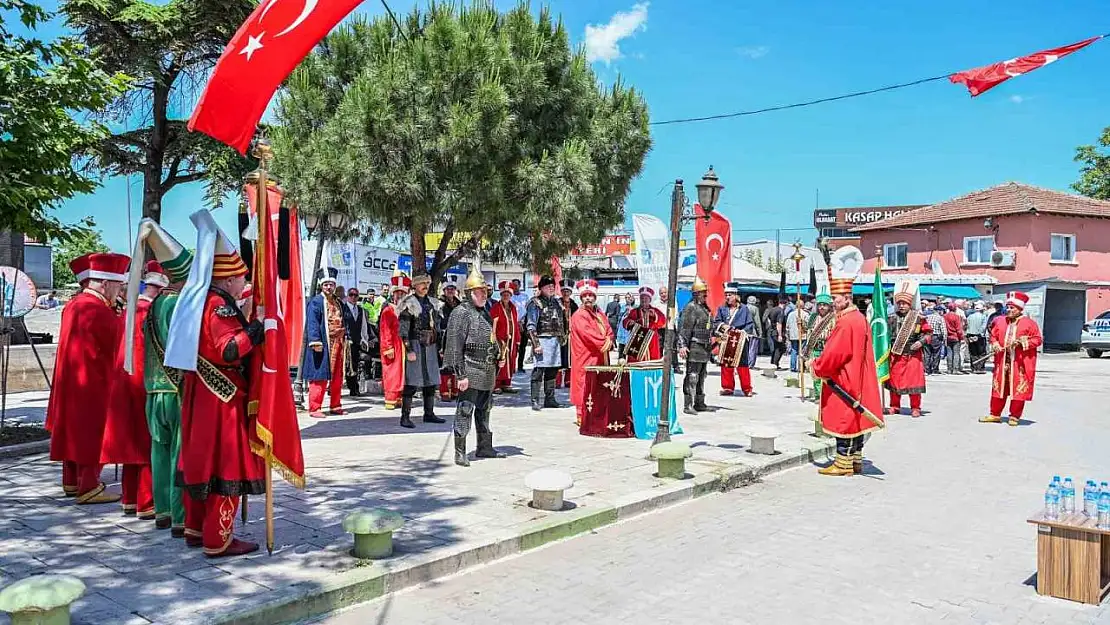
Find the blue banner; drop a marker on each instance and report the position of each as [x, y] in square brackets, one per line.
[646, 387]
[404, 263]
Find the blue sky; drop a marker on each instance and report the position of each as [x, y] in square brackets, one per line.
[916, 145]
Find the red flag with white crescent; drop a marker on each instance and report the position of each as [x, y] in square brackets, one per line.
[714, 253]
[981, 79]
[274, 39]
[274, 432]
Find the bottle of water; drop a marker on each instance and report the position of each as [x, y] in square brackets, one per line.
[1104, 510]
[1052, 502]
[1067, 497]
[1090, 499]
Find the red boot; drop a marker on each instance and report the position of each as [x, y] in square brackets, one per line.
[236, 548]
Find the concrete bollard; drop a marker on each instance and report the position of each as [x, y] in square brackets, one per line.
[547, 488]
[41, 599]
[373, 531]
[762, 441]
[671, 457]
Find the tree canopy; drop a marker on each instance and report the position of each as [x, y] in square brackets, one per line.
[169, 48]
[465, 120]
[45, 90]
[1094, 178]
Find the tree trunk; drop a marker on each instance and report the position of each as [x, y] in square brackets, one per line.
[156, 152]
[419, 252]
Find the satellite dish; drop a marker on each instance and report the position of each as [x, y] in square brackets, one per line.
[17, 293]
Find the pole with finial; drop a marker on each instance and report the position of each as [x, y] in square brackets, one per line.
[798, 257]
[264, 153]
[879, 265]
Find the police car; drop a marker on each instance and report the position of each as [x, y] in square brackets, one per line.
[1096, 335]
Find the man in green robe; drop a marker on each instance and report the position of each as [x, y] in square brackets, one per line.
[820, 325]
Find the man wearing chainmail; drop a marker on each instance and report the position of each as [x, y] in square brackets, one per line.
[472, 355]
[547, 334]
[693, 346]
[420, 322]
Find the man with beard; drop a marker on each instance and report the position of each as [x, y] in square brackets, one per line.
[1014, 340]
[326, 321]
[848, 361]
[420, 323]
[392, 345]
[506, 327]
[83, 370]
[694, 337]
[359, 333]
[569, 307]
[473, 356]
[644, 319]
[909, 333]
[821, 322]
[547, 331]
[591, 339]
[447, 388]
[729, 318]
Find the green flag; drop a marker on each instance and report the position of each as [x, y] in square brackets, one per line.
[880, 332]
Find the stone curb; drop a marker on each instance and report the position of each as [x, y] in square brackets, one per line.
[25, 449]
[359, 585]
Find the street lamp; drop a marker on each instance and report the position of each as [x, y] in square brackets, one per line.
[709, 191]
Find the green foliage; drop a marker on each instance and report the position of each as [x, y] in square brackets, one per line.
[774, 265]
[81, 242]
[1094, 178]
[466, 120]
[44, 88]
[170, 49]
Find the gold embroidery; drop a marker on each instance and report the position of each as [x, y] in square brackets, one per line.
[220, 385]
[614, 386]
[590, 403]
[616, 426]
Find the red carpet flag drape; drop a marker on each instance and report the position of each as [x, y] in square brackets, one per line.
[981, 79]
[714, 239]
[266, 48]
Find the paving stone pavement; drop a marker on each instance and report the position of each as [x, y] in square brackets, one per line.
[139, 575]
[934, 533]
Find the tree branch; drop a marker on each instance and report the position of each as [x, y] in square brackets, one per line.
[183, 179]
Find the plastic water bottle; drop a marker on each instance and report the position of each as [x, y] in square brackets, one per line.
[1104, 510]
[1052, 502]
[1090, 498]
[1067, 497]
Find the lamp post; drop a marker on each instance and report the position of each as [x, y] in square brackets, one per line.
[322, 226]
[709, 191]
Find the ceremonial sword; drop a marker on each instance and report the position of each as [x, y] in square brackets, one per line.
[854, 403]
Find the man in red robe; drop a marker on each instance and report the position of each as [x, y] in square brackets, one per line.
[591, 339]
[647, 318]
[849, 362]
[392, 347]
[909, 332]
[506, 327]
[126, 433]
[216, 465]
[83, 370]
[448, 384]
[1014, 341]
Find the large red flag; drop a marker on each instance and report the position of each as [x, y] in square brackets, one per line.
[291, 290]
[266, 48]
[981, 79]
[714, 253]
[275, 433]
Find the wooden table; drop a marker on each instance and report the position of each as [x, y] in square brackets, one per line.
[1073, 558]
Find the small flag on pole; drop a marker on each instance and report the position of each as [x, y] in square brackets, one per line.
[880, 332]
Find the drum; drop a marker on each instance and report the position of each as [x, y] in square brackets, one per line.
[608, 403]
[732, 348]
[639, 343]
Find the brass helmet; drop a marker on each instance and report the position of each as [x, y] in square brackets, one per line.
[699, 285]
[475, 281]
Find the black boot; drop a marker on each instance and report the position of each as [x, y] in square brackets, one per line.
[687, 407]
[485, 447]
[537, 398]
[429, 395]
[460, 451]
[549, 395]
[406, 410]
[699, 404]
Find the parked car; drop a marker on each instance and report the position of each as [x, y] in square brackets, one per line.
[1096, 335]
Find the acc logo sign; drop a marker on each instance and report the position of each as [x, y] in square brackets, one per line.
[383, 264]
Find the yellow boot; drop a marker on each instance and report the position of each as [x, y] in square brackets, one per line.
[841, 466]
[990, 419]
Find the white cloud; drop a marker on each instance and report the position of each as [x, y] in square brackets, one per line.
[1016, 99]
[602, 42]
[753, 52]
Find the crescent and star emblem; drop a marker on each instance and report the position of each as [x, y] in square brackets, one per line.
[254, 42]
[719, 238]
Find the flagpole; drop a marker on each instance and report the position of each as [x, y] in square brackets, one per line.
[264, 153]
[879, 266]
[798, 257]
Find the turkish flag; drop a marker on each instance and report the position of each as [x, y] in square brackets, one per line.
[714, 253]
[981, 79]
[291, 290]
[274, 433]
[264, 51]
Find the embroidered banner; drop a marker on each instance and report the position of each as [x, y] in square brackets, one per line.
[647, 394]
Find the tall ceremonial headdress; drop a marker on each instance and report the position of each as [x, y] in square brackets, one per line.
[907, 291]
[175, 261]
[215, 258]
[845, 264]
